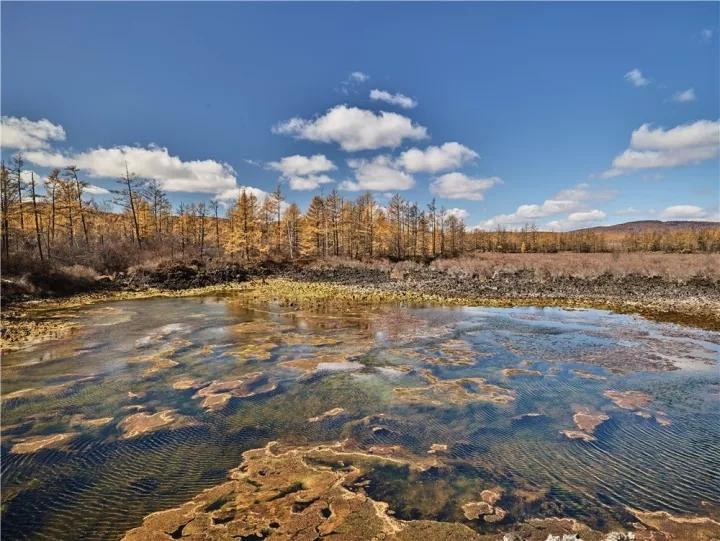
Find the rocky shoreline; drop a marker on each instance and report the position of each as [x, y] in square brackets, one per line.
[694, 302]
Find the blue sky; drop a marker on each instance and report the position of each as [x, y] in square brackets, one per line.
[562, 114]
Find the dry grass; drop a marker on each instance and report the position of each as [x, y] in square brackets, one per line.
[665, 265]
[670, 266]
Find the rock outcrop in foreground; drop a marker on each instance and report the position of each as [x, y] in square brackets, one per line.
[299, 494]
[309, 493]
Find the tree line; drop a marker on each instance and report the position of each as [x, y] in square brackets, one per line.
[66, 224]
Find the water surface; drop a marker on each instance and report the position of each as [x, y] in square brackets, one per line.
[148, 402]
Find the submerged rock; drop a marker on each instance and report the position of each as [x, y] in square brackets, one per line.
[260, 351]
[217, 394]
[141, 423]
[82, 421]
[513, 372]
[186, 383]
[474, 510]
[45, 391]
[677, 527]
[578, 435]
[637, 402]
[453, 352]
[486, 507]
[300, 493]
[160, 364]
[588, 375]
[330, 362]
[315, 340]
[32, 444]
[441, 392]
[629, 400]
[587, 421]
[542, 529]
[327, 415]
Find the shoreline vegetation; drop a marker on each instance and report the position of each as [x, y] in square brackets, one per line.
[65, 243]
[656, 291]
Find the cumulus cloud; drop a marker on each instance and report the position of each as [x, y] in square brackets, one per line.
[25, 134]
[683, 212]
[401, 100]
[354, 129]
[435, 159]
[359, 76]
[309, 182]
[684, 96]
[378, 174]
[460, 186]
[658, 147]
[303, 165]
[636, 78]
[174, 174]
[304, 172]
[460, 214]
[572, 200]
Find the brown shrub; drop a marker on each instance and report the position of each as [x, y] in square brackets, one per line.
[583, 265]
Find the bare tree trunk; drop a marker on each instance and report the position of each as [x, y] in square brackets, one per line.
[132, 206]
[35, 212]
[80, 205]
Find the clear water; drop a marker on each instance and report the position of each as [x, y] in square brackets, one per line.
[98, 483]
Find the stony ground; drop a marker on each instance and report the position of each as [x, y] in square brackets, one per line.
[694, 301]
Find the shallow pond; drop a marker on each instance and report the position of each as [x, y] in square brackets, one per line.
[148, 402]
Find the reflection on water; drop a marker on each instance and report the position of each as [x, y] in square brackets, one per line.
[149, 402]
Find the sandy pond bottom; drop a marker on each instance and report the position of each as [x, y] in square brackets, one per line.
[485, 417]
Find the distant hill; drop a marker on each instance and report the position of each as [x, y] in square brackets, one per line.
[646, 226]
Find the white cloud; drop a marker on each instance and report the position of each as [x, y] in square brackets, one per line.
[460, 214]
[96, 190]
[683, 212]
[571, 200]
[684, 96]
[594, 215]
[577, 220]
[309, 182]
[435, 159]
[231, 195]
[25, 134]
[353, 81]
[681, 145]
[303, 165]
[584, 192]
[460, 186]
[400, 100]
[636, 78]
[304, 172]
[175, 175]
[378, 174]
[354, 129]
